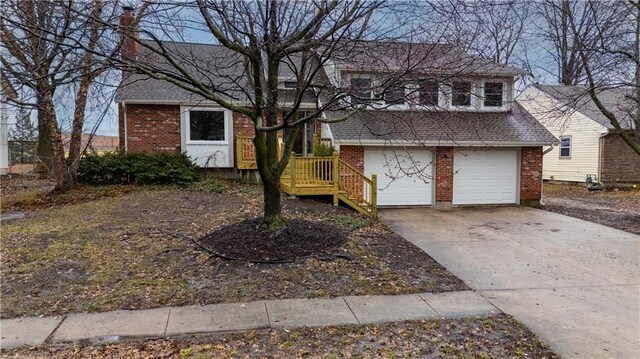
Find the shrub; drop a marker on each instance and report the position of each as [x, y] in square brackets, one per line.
[322, 150]
[139, 168]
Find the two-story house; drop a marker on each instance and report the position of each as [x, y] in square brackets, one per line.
[435, 125]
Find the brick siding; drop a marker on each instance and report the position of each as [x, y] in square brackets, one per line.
[242, 125]
[530, 173]
[618, 163]
[353, 155]
[444, 174]
[152, 128]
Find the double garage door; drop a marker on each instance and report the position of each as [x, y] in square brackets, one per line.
[406, 176]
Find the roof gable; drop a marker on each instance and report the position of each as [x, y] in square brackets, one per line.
[617, 100]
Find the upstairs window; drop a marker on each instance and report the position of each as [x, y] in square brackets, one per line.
[428, 93]
[290, 85]
[394, 95]
[493, 94]
[206, 126]
[360, 91]
[565, 147]
[461, 93]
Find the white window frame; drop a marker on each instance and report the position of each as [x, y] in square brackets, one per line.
[440, 96]
[402, 105]
[359, 76]
[471, 100]
[505, 90]
[227, 127]
[560, 156]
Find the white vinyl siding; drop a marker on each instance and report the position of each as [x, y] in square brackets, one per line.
[584, 133]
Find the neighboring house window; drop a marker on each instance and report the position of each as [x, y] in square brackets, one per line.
[461, 93]
[360, 91]
[565, 147]
[290, 84]
[206, 126]
[394, 95]
[429, 93]
[493, 94]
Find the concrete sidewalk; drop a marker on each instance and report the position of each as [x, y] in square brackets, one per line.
[287, 313]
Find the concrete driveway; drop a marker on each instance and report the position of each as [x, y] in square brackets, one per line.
[574, 283]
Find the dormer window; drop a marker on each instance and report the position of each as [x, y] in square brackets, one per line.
[461, 93]
[428, 93]
[290, 85]
[493, 94]
[360, 91]
[394, 95]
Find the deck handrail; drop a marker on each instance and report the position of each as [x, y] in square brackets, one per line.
[246, 151]
[312, 171]
[357, 186]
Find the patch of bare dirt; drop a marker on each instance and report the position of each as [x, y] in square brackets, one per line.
[133, 251]
[614, 208]
[485, 337]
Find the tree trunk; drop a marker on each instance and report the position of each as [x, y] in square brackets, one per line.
[272, 204]
[637, 58]
[44, 138]
[64, 179]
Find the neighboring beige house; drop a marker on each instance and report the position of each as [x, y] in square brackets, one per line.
[99, 143]
[589, 144]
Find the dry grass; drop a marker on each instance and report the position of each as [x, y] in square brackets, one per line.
[132, 250]
[488, 337]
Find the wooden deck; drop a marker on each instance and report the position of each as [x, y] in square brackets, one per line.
[314, 176]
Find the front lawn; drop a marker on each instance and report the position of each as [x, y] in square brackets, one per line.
[489, 337]
[135, 250]
[614, 208]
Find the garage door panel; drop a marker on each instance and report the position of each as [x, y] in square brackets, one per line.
[401, 175]
[485, 177]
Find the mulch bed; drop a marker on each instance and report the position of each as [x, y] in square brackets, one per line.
[484, 337]
[249, 240]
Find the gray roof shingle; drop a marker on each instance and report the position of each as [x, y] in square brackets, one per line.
[215, 65]
[617, 100]
[417, 57]
[515, 126]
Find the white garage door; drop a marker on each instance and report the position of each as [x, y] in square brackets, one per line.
[485, 176]
[401, 175]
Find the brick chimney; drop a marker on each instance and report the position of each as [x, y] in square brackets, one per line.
[128, 34]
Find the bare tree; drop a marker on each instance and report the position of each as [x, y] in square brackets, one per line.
[570, 26]
[41, 54]
[622, 54]
[261, 41]
[492, 29]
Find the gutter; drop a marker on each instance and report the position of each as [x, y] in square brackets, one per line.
[441, 143]
[551, 147]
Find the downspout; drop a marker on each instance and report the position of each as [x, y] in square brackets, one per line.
[551, 147]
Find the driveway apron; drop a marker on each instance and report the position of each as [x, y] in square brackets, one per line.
[575, 283]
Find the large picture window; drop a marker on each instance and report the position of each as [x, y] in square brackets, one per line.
[565, 147]
[461, 93]
[493, 94]
[206, 126]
